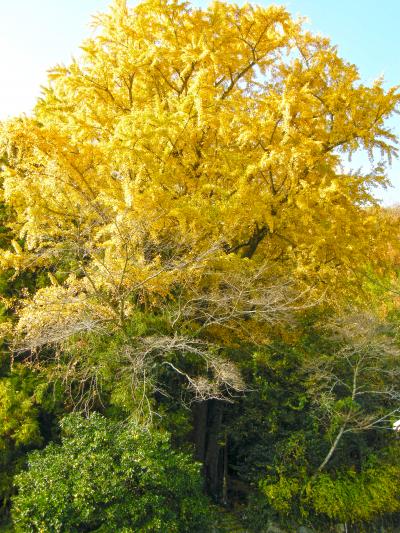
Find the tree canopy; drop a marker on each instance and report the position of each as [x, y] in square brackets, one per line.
[188, 150]
[185, 128]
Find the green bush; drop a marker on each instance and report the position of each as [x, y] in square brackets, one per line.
[352, 497]
[28, 414]
[108, 476]
[342, 495]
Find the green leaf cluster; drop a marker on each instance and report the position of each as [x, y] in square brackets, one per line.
[108, 476]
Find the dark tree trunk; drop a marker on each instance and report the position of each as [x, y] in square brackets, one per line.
[213, 452]
[200, 411]
[207, 435]
[225, 472]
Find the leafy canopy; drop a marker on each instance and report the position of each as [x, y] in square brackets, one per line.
[189, 163]
[181, 127]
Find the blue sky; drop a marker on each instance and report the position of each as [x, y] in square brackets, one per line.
[36, 34]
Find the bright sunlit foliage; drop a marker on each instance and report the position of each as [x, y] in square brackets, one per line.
[182, 128]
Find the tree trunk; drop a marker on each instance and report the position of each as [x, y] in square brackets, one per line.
[225, 474]
[206, 434]
[333, 448]
[200, 411]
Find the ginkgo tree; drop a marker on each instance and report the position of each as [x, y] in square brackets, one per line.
[190, 162]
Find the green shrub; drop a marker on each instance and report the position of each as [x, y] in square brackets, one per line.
[108, 476]
[352, 497]
[341, 495]
[28, 413]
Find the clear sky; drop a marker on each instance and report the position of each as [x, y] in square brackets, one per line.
[37, 34]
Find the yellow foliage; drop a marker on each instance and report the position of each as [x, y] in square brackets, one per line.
[182, 135]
